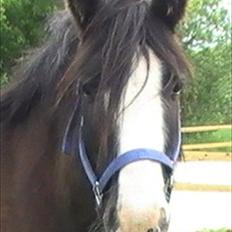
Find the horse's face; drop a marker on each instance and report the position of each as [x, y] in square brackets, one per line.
[142, 201]
[131, 102]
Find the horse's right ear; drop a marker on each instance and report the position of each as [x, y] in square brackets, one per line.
[83, 10]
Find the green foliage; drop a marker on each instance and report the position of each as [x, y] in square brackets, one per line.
[206, 24]
[217, 136]
[21, 28]
[208, 100]
[207, 39]
[208, 137]
[3, 79]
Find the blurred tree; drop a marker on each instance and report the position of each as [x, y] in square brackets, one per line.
[207, 40]
[205, 34]
[21, 28]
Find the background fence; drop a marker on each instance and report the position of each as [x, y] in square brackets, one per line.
[204, 145]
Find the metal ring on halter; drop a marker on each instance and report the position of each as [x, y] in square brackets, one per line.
[98, 194]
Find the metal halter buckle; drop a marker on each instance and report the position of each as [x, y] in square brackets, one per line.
[98, 194]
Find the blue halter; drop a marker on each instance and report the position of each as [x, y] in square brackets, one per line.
[99, 182]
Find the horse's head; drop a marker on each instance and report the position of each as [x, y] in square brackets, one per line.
[128, 74]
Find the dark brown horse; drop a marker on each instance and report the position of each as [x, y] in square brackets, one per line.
[112, 70]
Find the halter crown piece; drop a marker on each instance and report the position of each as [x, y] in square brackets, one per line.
[99, 183]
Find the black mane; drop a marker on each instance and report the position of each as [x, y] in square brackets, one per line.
[37, 79]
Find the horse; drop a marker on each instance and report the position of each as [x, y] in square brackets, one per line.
[90, 129]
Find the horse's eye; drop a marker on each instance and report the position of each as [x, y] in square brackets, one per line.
[178, 88]
[89, 89]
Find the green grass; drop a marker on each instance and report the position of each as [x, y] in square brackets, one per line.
[208, 137]
[224, 135]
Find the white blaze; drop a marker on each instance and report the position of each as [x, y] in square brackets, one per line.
[141, 183]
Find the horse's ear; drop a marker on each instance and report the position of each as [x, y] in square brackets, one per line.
[83, 10]
[170, 11]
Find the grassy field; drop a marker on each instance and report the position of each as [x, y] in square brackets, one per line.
[209, 137]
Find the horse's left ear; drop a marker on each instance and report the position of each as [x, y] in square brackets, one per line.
[83, 10]
[170, 11]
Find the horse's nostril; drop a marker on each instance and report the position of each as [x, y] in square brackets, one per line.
[150, 230]
[154, 230]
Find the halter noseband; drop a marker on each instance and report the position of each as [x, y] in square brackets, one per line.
[99, 183]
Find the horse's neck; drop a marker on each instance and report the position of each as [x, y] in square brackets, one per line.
[27, 155]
